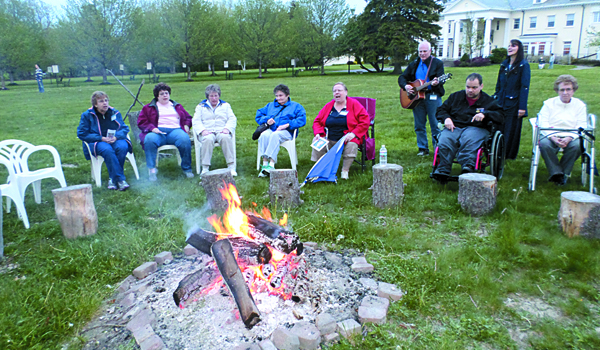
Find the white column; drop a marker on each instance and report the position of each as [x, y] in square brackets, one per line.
[456, 38]
[507, 28]
[446, 34]
[486, 36]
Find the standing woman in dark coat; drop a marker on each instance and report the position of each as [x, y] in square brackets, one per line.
[512, 91]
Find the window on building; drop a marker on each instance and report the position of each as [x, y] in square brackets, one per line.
[541, 49]
[567, 48]
[551, 21]
[462, 24]
[526, 48]
[570, 19]
[498, 25]
[517, 23]
[596, 17]
[532, 22]
[449, 28]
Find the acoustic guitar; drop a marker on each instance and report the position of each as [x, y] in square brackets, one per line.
[410, 101]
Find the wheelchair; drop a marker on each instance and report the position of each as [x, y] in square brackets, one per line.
[491, 154]
[586, 142]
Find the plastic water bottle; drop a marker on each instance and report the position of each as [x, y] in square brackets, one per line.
[383, 155]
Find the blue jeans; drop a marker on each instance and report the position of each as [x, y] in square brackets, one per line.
[425, 110]
[177, 137]
[114, 155]
[40, 85]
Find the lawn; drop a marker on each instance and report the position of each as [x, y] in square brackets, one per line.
[458, 272]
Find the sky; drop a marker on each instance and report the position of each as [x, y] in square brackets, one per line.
[358, 5]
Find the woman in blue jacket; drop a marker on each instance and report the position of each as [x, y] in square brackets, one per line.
[283, 117]
[512, 91]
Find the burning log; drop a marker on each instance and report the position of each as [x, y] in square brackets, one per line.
[265, 231]
[248, 252]
[222, 251]
[194, 283]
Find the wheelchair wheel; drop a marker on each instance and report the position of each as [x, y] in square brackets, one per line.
[497, 155]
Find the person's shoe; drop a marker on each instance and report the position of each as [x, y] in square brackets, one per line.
[344, 175]
[205, 170]
[268, 169]
[441, 178]
[233, 172]
[189, 174]
[123, 185]
[423, 152]
[558, 179]
[111, 185]
[263, 171]
[152, 177]
[467, 169]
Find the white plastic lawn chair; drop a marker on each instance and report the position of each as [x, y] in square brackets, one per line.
[10, 190]
[15, 154]
[96, 165]
[198, 150]
[291, 148]
[168, 148]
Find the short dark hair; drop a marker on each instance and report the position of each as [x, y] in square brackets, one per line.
[566, 78]
[100, 94]
[474, 76]
[283, 88]
[161, 87]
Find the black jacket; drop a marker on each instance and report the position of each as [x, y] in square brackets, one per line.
[436, 70]
[457, 108]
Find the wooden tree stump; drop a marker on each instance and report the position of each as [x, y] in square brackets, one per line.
[213, 182]
[579, 214]
[75, 210]
[388, 188]
[284, 189]
[133, 125]
[477, 193]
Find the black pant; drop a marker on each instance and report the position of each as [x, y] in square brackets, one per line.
[512, 131]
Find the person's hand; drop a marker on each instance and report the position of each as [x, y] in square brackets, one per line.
[409, 88]
[478, 117]
[157, 131]
[271, 121]
[186, 128]
[205, 132]
[317, 136]
[109, 140]
[435, 81]
[349, 136]
[283, 127]
[225, 131]
[449, 124]
[521, 113]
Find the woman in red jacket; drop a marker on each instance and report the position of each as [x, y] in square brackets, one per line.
[341, 117]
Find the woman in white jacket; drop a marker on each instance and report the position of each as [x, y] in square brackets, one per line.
[214, 121]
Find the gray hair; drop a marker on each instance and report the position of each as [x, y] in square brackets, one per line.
[340, 83]
[424, 42]
[96, 96]
[212, 88]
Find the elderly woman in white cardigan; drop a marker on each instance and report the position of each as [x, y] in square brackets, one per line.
[214, 121]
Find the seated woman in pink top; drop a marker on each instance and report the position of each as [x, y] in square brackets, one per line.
[344, 117]
[165, 122]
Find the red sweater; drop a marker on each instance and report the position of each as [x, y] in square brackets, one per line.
[358, 119]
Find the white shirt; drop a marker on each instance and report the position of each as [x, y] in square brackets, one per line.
[559, 115]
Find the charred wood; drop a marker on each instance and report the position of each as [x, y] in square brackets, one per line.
[265, 231]
[248, 252]
[194, 283]
[222, 251]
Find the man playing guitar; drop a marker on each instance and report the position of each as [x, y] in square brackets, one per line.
[426, 68]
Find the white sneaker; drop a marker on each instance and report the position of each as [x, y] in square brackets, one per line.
[233, 172]
[344, 175]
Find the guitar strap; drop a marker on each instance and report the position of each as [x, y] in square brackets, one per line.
[428, 68]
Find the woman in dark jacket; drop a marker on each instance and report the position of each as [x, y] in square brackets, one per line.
[165, 122]
[512, 91]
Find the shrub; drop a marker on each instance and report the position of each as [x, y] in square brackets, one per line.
[498, 55]
[480, 62]
[465, 58]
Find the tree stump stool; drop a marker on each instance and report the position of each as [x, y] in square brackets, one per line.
[579, 214]
[75, 210]
[388, 188]
[477, 193]
[213, 182]
[133, 125]
[284, 190]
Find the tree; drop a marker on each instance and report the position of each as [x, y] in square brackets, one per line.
[258, 30]
[102, 30]
[143, 50]
[212, 34]
[391, 28]
[472, 38]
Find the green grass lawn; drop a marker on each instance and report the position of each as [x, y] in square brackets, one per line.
[457, 271]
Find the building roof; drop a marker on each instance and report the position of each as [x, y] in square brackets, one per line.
[514, 5]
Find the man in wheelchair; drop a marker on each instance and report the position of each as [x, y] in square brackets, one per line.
[561, 112]
[468, 116]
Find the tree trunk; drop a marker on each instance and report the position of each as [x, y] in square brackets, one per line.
[3, 82]
[89, 76]
[388, 188]
[173, 69]
[284, 190]
[477, 193]
[259, 68]
[212, 182]
[212, 69]
[154, 73]
[397, 68]
[11, 76]
[75, 210]
[133, 117]
[189, 73]
[104, 77]
[579, 214]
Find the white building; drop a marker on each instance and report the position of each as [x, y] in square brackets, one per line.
[543, 26]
